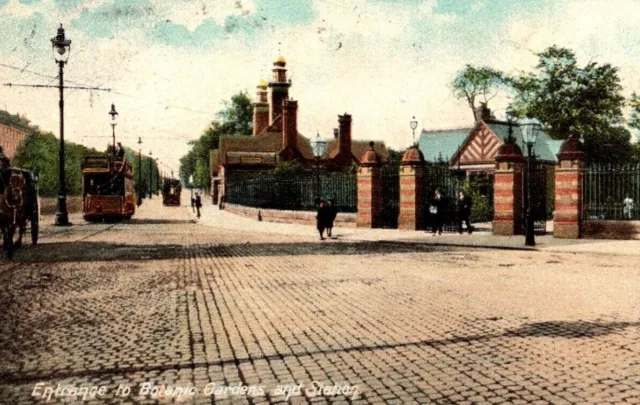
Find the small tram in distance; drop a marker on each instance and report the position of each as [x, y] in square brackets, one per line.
[107, 188]
[171, 192]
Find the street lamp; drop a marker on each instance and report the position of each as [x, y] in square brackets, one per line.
[114, 121]
[414, 125]
[61, 50]
[319, 147]
[191, 188]
[150, 178]
[530, 129]
[139, 171]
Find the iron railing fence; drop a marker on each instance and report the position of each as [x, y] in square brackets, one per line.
[440, 176]
[294, 192]
[390, 196]
[611, 192]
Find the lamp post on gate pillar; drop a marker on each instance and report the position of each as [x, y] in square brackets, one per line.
[414, 125]
[61, 50]
[319, 147]
[139, 171]
[530, 129]
[114, 121]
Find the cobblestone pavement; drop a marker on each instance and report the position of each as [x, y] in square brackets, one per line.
[163, 301]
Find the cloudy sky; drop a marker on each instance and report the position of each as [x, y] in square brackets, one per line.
[170, 63]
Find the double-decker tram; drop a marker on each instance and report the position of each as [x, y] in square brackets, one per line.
[107, 188]
[171, 192]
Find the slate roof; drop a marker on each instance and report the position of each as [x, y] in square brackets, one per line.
[544, 147]
[447, 143]
[442, 143]
[271, 142]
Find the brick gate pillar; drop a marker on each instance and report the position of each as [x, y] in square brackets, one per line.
[507, 189]
[412, 190]
[369, 190]
[569, 179]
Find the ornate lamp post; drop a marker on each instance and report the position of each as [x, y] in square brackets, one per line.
[139, 171]
[191, 188]
[414, 125]
[530, 129]
[114, 121]
[319, 147]
[150, 178]
[61, 50]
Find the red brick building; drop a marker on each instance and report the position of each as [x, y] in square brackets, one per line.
[10, 137]
[276, 139]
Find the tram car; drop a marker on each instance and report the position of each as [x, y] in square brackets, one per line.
[19, 206]
[107, 188]
[171, 192]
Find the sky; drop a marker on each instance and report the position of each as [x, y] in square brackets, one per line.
[171, 63]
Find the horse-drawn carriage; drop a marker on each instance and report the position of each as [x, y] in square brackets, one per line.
[18, 206]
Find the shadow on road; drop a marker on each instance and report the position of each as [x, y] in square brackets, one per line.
[55, 252]
[554, 329]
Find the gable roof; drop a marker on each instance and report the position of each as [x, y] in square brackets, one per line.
[447, 144]
[443, 144]
[543, 148]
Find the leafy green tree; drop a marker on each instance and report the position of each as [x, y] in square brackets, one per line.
[395, 156]
[477, 83]
[570, 99]
[634, 103]
[39, 150]
[236, 119]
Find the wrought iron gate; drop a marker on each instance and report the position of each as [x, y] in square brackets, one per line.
[390, 196]
[538, 198]
[440, 176]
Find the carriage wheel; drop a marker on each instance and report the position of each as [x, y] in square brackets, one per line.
[35, 224]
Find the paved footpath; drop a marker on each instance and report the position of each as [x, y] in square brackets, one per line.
[216, 314]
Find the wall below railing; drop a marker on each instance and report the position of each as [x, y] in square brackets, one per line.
[48, 205]
[290, 217]
[600, 229]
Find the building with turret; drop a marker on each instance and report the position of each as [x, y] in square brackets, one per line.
[276, 139]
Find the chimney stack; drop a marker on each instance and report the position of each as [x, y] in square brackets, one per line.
[482, 112]
[289, 124]
[345, 134]
[260, 109]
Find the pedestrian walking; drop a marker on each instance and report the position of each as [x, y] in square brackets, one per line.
[198, 203]
[321, 217]
[464, 211]
[193, 204]
[627, 207]
[436, 209]
[332, 213]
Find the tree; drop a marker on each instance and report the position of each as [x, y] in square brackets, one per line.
[473, 82]
[395, 156]
[39, 150]
[570, 99]
[236, 119]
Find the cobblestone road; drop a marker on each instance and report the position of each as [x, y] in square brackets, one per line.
[169, 302]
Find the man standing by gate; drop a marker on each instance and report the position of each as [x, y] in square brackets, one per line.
[464, 210]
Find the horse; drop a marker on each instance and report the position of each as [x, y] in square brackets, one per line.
[16, 206]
